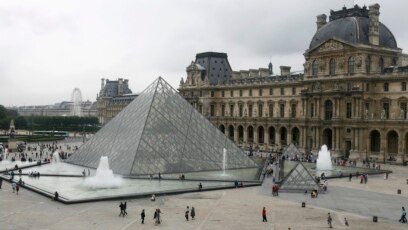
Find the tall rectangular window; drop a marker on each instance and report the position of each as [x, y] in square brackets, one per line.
[403, 107]
[240, 92]
[271, 91]
[212, 93]
[223, 110]
[250, 92]
[260, 110]
[200, 109]
[368, 87]
[260, 92]
[311, 110]
[249, 110]
[282, 91]
[241, 110]
[293, 90]
[403, 86]
[222, 93]
[231, 112]
[201, 93]
[386, 87]
[348, 110]
[282, 110]
[212, 110]
[293, 111]
[271, 110]
[232, 93]
[386, 108]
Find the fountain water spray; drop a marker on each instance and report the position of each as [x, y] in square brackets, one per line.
[104, 177]
[324, 160]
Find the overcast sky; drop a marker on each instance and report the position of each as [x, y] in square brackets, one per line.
[48, 48]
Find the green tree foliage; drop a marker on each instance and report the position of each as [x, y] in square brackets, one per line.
[70, 123]
[20, 123]
[3, 112]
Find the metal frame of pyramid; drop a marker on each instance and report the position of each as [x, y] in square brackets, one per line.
[299, 179]
[291, 150]
[160, 131]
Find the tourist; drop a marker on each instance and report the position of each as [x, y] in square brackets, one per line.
[200, 186]
[158, 215]
[89, 172]
[346, 222]
[264, 215]
[1, 182]
[403, 218]
[350, 176]
[56, 196]
[186, 213]
[17, 188]
[329, 220]
[155, 216]
[160, 176]
[143, 215]
[124, 208]
[83, 173]
[192, 213]
[13, 186]
[361, 178]
[365, 178]
[121, 206]
[153, 198]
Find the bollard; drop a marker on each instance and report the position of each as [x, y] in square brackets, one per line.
[375, 219]
[303, 205]
[399, 191]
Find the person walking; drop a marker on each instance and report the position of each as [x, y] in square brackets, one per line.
[1, 182]
[346, 222]
[121, 209]
[187, 212]
[143, 215]
[264, 215]
[329, 220]
[403, 218]
[13, 186]
[17, 188]
[124, 209]
[158, 216]
[350, 176]
[192, 213]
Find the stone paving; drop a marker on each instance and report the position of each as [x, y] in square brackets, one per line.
[225, 209]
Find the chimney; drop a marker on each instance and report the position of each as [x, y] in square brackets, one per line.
[120, 86]
[285, 70]
[321, 20]
[102, 83]
[373, 26]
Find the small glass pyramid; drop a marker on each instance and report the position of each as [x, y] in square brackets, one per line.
[299, 179]
[160, 132]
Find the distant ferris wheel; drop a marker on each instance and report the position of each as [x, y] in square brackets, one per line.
[76, 98]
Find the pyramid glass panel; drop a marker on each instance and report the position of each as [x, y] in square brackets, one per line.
[160, 132]
[299, 179]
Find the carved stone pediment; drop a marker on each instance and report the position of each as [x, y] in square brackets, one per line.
[330, 45]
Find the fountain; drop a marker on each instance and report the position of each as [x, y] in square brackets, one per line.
[324, 160]
[104, 177]
[56, 157]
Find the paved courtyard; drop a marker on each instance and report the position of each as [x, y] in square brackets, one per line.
[224, 209]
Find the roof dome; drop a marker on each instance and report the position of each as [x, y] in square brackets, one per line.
[352, 29]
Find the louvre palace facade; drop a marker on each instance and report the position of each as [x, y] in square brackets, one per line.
[351, 96]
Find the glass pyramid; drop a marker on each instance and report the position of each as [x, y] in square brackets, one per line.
[299, 179]
[291, 151]
[160, 132]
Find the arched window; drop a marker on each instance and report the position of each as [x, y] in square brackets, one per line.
[315, 67]
[368, 64]
[332, 67]
[381, 64]
[351, 65]
[328, 110]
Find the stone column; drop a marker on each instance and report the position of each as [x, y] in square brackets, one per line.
[266, 137]
[236, 138]
[277, 137]
[256, 136]
[245, 136]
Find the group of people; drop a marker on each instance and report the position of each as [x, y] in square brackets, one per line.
[363, 178]
[188, 212]
[157, 213]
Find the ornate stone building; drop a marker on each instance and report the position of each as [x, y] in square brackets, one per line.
[352, 95]
[113, 97]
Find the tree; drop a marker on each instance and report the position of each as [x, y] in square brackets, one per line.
[20, 123]
[3, 112]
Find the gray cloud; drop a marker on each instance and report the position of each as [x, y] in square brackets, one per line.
[50, 47]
